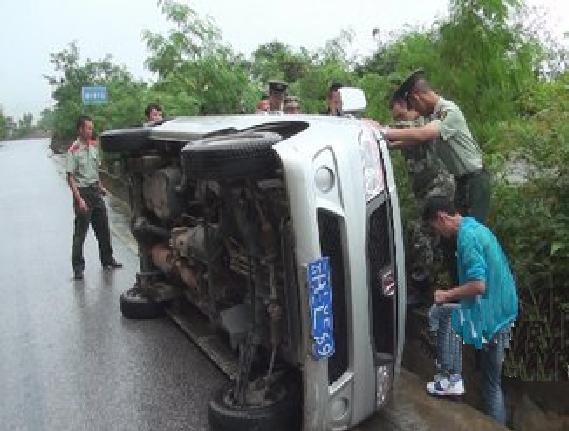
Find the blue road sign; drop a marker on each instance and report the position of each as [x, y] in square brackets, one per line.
[94, 95]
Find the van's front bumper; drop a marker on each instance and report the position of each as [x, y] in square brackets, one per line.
[331, 218]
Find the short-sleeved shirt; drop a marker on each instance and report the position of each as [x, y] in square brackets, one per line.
[83, 163]
[481, 258]
[455, 146]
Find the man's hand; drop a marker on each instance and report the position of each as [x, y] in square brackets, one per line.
[83, 207]
[373, 123]
[441, 296]
[397, 145]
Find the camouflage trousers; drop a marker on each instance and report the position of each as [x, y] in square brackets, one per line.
[426, 252]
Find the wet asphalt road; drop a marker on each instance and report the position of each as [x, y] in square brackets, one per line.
[68, 360]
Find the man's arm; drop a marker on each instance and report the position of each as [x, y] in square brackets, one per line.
[469, 289]
[413, 135]
[75, 191]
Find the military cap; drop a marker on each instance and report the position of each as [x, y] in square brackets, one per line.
[277, 86]
[409, 83]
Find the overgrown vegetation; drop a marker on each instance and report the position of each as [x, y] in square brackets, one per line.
[511, 82]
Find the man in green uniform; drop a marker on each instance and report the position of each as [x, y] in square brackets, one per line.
[83, 178]
[454, 144]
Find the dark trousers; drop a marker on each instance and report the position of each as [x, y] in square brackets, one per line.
[473, 195]
[97, 216]
[472, 199]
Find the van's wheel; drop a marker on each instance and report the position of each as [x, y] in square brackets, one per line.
[280, 413]
[137, 303]
[242, 155]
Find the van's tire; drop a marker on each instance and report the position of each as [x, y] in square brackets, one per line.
[246, 155]
[282, 415]
[135, 304]
[126, 141]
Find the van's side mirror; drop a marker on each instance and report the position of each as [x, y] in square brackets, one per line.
[353, 100]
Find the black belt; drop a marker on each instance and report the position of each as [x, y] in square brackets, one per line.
[469, 175]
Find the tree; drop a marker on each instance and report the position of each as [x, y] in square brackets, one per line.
[3, 125]
[275, 60]
[126, 96]
[197, 73]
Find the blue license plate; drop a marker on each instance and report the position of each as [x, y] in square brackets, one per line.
[320, 299]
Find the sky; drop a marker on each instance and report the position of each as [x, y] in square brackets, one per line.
[32, 29]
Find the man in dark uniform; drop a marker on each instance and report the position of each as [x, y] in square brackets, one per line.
[277, 91]
[334, 100]
[82, 168]
[454, 144]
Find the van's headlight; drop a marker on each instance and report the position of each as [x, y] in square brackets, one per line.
[374, 181]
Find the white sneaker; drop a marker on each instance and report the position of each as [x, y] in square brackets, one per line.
[444, 387]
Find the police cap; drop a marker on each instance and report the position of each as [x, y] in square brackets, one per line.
[277, 86]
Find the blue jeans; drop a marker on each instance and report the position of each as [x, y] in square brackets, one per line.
[491, 360]
[449, 344]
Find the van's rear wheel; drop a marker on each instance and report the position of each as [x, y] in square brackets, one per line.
[281, 411]
[139, 303]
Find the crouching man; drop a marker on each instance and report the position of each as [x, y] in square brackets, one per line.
[487, 295]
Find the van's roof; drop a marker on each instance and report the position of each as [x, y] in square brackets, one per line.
[184, 128]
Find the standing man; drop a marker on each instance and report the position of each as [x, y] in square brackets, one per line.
[291, 105]
[263, 105]
[153, 113]
[83, 178]
[454, 144]
[277, 90]
[334, 100]
[487, 295]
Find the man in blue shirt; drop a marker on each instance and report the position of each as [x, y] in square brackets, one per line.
[486, 291]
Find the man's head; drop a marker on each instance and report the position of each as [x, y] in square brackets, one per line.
[400, 109]
[419, 94]
[153, 112]
[84, 127]
[334, 99]
[291, 105]
[277, 90]
[439, 212]
[263, 105]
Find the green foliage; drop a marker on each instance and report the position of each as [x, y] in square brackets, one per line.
[275, 60]
[3, 125]
[126, 96]
[312, 88]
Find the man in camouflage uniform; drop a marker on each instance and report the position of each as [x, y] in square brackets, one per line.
[429, 178]
[82, 168]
